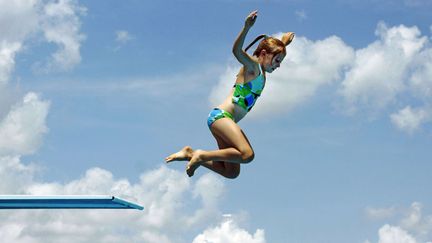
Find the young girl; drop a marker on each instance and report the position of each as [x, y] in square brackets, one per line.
[234, 147]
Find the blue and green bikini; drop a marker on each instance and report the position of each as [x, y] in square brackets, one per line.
[245, 96]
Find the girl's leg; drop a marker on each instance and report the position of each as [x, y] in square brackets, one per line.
[226, 169]
[238, 149]
[229, 170]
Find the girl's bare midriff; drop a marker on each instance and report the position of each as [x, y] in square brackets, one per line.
[237, 112]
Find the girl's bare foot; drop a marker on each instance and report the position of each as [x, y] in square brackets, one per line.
[194, 162]
[182, 155]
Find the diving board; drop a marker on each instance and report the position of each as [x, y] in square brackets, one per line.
[65, 202]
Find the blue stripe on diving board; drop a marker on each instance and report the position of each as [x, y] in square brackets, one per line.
[63, 202]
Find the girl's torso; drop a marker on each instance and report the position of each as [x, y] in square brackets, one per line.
[254, 80]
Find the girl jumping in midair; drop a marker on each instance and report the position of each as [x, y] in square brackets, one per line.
[234, 147]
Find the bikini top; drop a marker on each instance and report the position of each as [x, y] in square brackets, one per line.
[245, 95]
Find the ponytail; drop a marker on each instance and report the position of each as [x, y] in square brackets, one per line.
[256, 39]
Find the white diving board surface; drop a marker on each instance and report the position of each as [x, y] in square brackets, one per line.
[65, 202]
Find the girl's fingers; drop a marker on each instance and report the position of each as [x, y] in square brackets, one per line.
[250, 20]
[254, 13]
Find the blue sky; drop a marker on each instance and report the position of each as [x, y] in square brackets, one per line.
[94, 95]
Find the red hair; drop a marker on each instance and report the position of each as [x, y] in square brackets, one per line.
[271, 45]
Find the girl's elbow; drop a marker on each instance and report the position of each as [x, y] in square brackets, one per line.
[236, 50]
[238, 53]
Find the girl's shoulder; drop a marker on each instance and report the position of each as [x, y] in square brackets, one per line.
[255, 70]
[245, 75]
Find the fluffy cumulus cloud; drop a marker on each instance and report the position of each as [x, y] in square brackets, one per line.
[15, 175]
[166, 194]
[163, 192]
[21, 133]
[409, 119]
[8, 51]
[230, 232]
[411, 225]
[391, 75]
[57, 21]
[17, 21]
[394, 234]
[61, 24]
[380, 70]
[22, 129]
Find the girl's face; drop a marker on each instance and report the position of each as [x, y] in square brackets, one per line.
[272, 62]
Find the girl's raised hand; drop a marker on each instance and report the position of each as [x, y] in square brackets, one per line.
[250, 19]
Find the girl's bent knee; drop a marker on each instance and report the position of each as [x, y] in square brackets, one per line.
[248, 155]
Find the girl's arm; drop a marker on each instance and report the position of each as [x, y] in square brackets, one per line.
[238, 51]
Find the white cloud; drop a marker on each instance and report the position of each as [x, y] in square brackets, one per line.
[60, 24]
[15, 175]
[416, 222]
[7, 59]
[229, 232]
[412, 227]
[420, 80]
[165, 194]
[18, 19]
[380, 213]
[22, 129]
[122, 36]
[210, 189]
[8, 97]
[410, 120]
[394, 234]
[413, 217]
[378, 72]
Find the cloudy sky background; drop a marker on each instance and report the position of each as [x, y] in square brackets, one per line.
[93, 97]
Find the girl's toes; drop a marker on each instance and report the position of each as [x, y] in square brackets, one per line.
[169, 159]
[189, 172]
